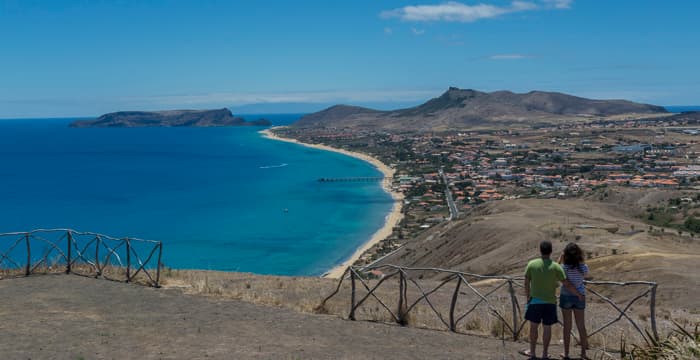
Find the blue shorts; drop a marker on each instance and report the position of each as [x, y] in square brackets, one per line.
[568, 302]
[541, 313]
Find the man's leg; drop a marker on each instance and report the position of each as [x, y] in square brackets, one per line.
[533, 337]
[546, 337]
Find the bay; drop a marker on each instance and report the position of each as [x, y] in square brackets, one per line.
[219, 198]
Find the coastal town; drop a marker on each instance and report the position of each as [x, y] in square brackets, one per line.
[442, 176]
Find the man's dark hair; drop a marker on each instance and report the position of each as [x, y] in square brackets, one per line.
[546, 247]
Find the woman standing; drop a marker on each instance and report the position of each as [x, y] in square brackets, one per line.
[575, 269]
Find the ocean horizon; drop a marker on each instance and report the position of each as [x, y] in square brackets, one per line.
[219, 198]
[682, 108]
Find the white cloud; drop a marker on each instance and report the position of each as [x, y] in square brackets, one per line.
[510, 57]
[388, 31]
[559, 4]
[417, 31]
[454, 11]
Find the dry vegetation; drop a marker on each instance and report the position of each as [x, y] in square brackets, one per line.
[114, 273]
[305, 294]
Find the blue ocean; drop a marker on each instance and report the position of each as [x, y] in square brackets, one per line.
[679, 109]
[218, 198]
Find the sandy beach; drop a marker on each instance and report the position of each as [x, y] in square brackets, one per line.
[391, 220]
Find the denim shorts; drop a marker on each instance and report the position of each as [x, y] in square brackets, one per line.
[569, 302]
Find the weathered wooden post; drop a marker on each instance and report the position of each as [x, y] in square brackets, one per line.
[98, 272]
[160, 264]
[455, 295]
[352, 294]
[128, 260]
[401, 313]
[652, 311]
[28, 269]
[513, 302]
[69, 237]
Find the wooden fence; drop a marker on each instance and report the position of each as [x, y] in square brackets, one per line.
[463, 283]
[81, 253]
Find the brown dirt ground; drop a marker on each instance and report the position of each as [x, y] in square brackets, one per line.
[501, 237]
[73, 317]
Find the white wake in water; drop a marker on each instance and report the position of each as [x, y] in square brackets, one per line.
[273, 166]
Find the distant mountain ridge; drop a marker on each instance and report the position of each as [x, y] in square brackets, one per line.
[459, 108]
[169, 118]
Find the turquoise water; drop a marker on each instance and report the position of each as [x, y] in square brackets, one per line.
[216, 197]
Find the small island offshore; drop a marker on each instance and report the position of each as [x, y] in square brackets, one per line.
[169, 118]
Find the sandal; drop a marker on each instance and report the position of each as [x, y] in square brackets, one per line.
[528, 354]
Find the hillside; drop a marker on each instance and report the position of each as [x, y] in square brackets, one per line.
[500, 237]
[198, 118]
[460, 109]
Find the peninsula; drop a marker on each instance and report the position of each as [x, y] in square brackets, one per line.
[170, 118]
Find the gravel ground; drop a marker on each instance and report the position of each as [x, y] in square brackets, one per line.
[73, 317]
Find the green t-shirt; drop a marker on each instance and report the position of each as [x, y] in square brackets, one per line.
[545, 276]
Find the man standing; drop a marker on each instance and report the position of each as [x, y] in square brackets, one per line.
[542, 277]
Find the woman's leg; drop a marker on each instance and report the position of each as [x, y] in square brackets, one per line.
[566, 317]
[581, 325]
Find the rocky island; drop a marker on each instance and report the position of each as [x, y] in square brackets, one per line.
[170, 118]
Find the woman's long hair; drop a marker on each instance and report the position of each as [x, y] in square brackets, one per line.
[573, 255]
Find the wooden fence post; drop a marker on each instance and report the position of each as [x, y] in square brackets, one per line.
[69, 256]
[160, 255]
[402, 287]
[28, 269]
[652, 311]
[513, 302]
[455, 295]
[98, 272]
[128, 260]
[352, 295]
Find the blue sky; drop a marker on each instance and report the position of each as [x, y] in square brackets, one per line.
[84, 58]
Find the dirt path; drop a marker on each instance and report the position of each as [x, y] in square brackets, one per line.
[71, 317]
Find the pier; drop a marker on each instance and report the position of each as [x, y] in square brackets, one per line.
[352, 179]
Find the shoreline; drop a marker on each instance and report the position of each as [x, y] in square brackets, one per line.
[390, 221]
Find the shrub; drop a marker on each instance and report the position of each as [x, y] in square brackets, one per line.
[680, 344]
[692, 224]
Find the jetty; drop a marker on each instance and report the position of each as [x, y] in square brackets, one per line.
[352, 179]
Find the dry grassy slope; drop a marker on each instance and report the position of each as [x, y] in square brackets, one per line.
[501, 237]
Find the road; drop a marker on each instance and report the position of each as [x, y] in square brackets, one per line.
[454, 212]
